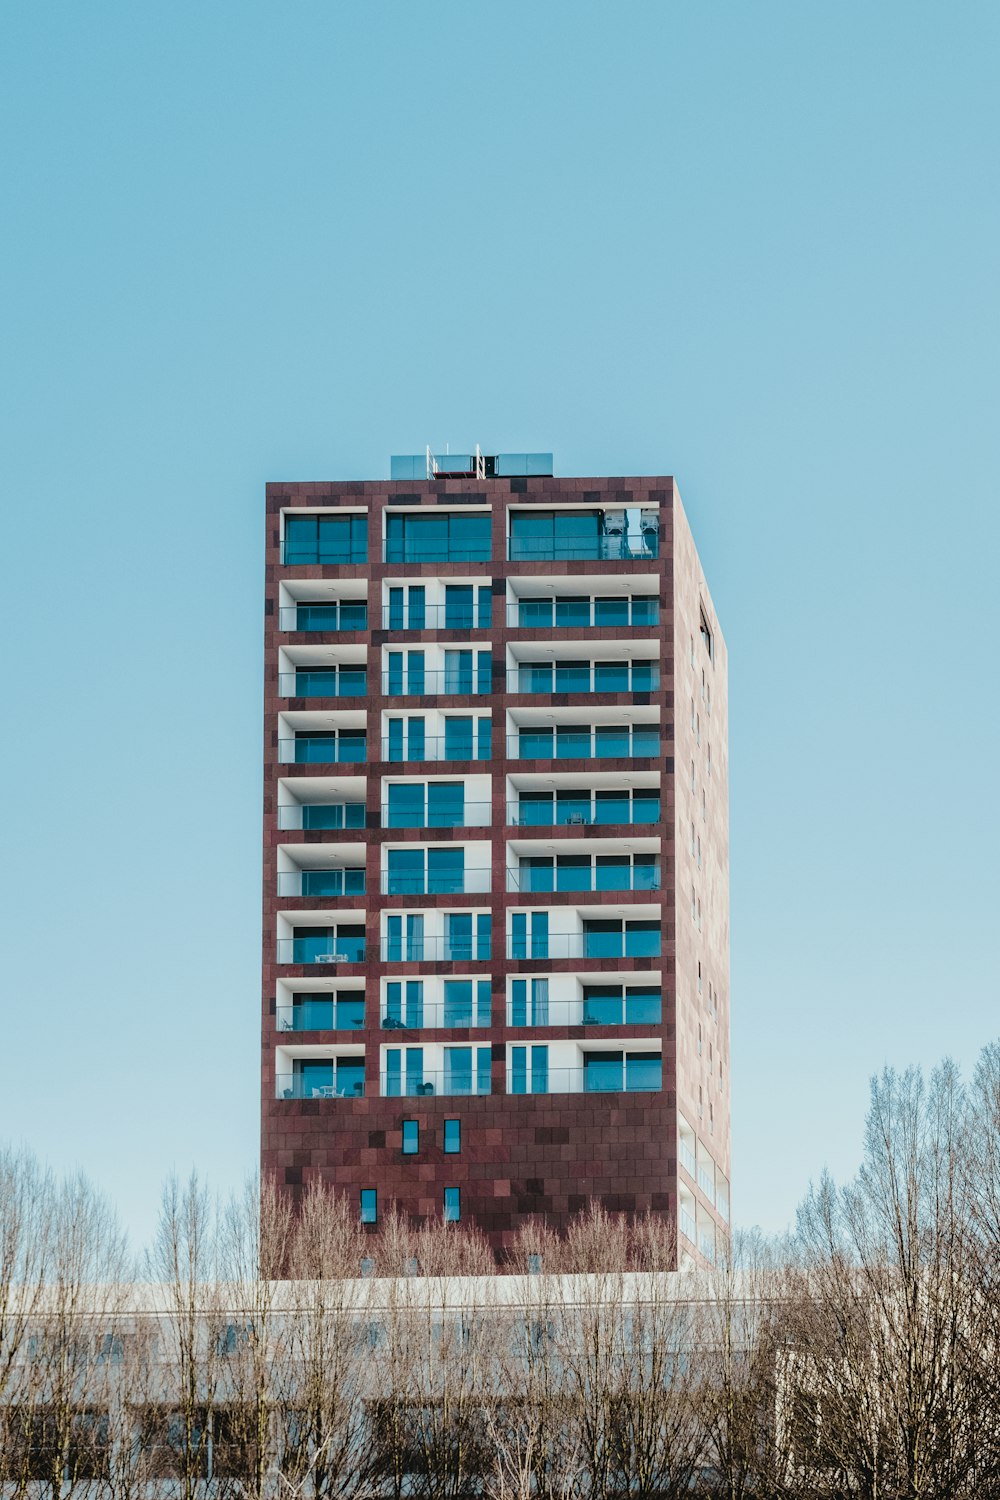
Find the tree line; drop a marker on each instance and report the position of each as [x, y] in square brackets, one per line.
[257, 1351]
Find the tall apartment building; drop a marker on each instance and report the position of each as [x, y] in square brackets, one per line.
[496, 927]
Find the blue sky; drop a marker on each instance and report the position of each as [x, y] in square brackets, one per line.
[754, 246]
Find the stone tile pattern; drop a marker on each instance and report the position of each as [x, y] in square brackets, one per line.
[529, 1155]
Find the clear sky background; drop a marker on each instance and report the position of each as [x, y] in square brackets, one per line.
[751, 245]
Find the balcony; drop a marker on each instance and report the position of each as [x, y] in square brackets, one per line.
[584, 677]
[422, 684]
[323, 682]
[626, 535]
[418, 950]
[435, 882]
[436, 1016]
[326, 817]
[336, 880]
[642, 1008]
[584, 613]
[436, 617]
[342, 1084]
[579, 873]
[310, 618]
[446, 1083]
[438, 536]
[577, 810]
[323, 949]
[437, 747]
[323, 749]
[641, 942]
[605, 742]
[470, 815]
[640, 1077]
[321, 1013]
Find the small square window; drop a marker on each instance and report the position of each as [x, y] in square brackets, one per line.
[369, 1206]
[411, 1137]
[367, 1266]
[452, 1205]
[452, 1137]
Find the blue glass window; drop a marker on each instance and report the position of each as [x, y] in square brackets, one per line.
[645, 807]
[350, 1011]
[534, 677]
[572, 807]
[411, 1137]
[328, 815]
[458, 936]
[397, 613]
[613, 872]
[458, 1002]
[534, 810]
[418, 607]
[322, 747]
[415, 1072]
[313, 1078]
[484, 729]
[645, 741]
[602, 1005]
[443, 536]
[350, 1080]
[645, 873]
[644, 676]
[452, 1137]
[572, 741]
[393, 1072]
[536, 874]
[452, 1205]
[535, 744]
[603, 1073]
[446, 804]
[406, 806]
[312, 1012]
[554, 534]
[445, 871]
[458, 1070]
[611, 611]
[645, 610]
[405, 872]
[611, 740]
[572, 611]
[309, 943]
[535, 613]
[572, 677]
[642, 1072]
[458, 739]
[458, 668]
[484, 606]
[611, 807]
[573, 873]
[529, 1070]
[369, 1206]
[395, 749]
[343, 882]
[529, 934]
[458, 606]
[643, 1006]
[611, 677]
[326, 539]
[484, 925]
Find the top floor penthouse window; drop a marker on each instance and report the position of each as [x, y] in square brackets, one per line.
[437, 536]
[325, 539]
[604, 535]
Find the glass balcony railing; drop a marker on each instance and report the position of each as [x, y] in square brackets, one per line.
[643, 1077]
[312, 554]
[299, 1086]
[436, 950]
[322, 750]
[621, 876]
[338, 881]
[629, 547]
[454, 1083]
[325, 816]
[437, 617]
[611, 677]
[687, 1226]
[603, 744]
[325, 950]
[584, 945]
[436, 1016]
[323, 619]
[436, 747]
[339, 682]
[429, 684]
[471, 815]
[687, 1161]
[581, 812]
[435, 883]
[322, 1013]
[630, 1012]
[420, 550]
[583, 613]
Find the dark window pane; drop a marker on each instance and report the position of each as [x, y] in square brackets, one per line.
[612, 611]
[571, 610]
[611, 677]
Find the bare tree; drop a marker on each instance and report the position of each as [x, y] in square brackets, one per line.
[176, 1429]
[884, 1337]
